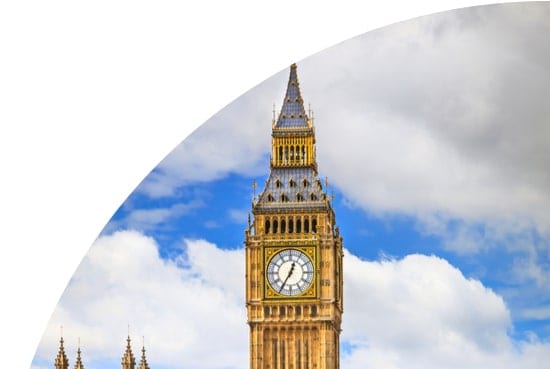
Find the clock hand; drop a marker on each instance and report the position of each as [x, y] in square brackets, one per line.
[288, 276]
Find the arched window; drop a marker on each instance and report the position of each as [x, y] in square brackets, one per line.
[290, 225]
[306, 225]
[267, 226]
[286, 154]
[284, 198]
[270, 197]
[299, 226]
[314, 225]
[278, 183]
[313, 310]
[275, 226]
[299, 197]
[292, 183]
[280, 158]
[283, 226]
[313, 197]
[291, 153]
[305, 182]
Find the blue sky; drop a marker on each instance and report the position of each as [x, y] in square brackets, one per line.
[433, 135]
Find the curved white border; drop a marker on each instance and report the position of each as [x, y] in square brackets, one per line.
[62, 181]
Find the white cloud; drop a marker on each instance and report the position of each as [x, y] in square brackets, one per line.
[421, 312]
[442, 114]
[182, 307]
[417, 312]
[147, 219]
[443, 118]
[236, 140]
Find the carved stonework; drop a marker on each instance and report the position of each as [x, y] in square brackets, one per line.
[294, 253]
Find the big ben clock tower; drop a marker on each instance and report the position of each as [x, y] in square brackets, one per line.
[293, 253]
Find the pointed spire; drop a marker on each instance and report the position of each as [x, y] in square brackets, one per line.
[143, 363]
[61, 361]
[78, 364]
[128, 360]
[292, 112]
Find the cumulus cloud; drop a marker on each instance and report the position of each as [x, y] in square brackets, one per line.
[445, 113]
[418, 312]
[421, 312]
[182, 307]
[236, 140]
[147, 219]
[442, 118]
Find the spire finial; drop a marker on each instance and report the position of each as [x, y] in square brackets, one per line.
[128, 360]
[61, 361]
[78, 364]
[143, 362]
[254, 185]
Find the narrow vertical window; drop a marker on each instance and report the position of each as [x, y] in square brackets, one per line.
[286, 154]
[290, 225]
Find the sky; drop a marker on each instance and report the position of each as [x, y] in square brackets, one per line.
[432, 134]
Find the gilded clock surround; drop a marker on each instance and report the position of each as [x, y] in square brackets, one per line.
[293, 211]
[272, 251]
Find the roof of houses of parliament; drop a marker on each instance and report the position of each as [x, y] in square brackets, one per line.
[128, 359]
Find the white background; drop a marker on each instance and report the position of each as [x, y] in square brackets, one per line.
[93, 96]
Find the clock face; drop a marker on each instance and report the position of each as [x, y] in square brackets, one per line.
[290, 272]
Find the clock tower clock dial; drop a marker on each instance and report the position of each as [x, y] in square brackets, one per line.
[293, 253]
[290, 272]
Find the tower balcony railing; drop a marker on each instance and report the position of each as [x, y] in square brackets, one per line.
[289, 236]
[322, 203]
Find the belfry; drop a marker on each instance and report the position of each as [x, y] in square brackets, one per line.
[293, 253]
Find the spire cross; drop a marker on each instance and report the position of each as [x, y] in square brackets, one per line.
[254, 185]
